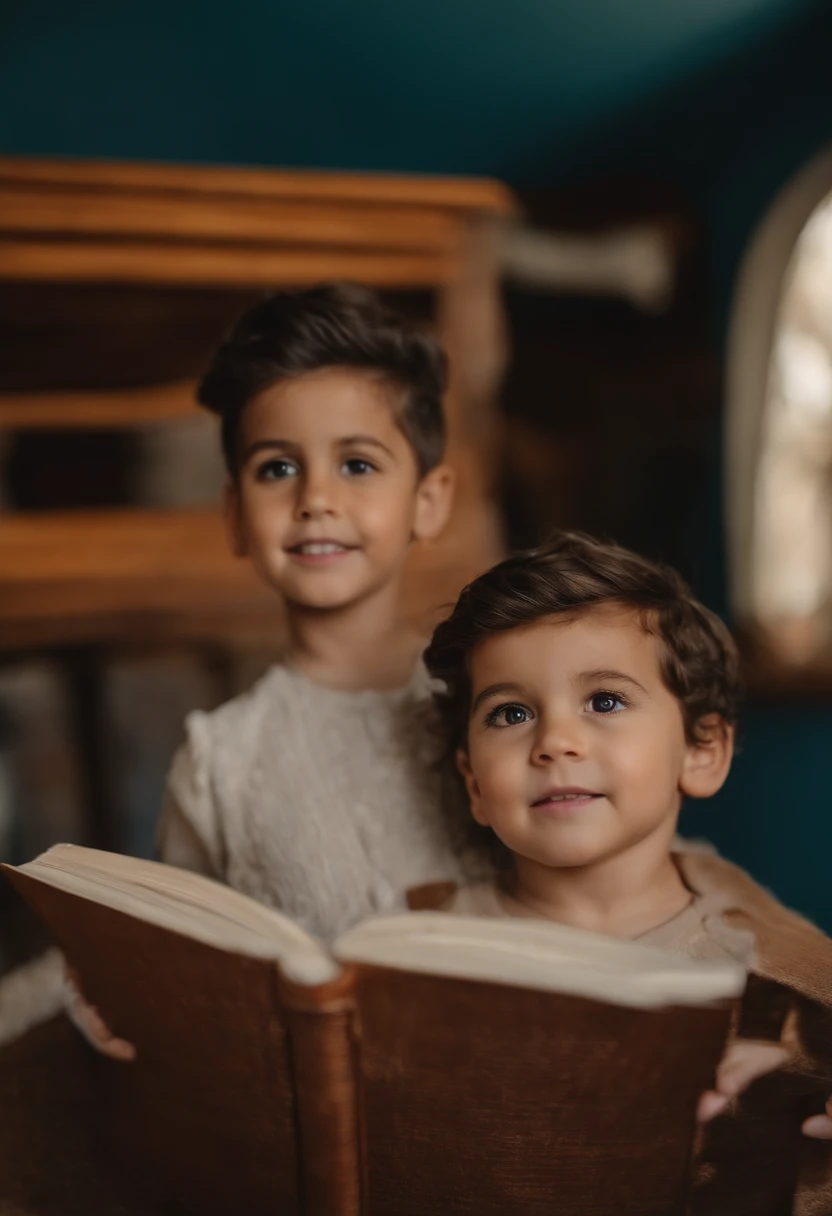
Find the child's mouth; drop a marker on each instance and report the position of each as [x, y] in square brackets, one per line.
[320, 552]
[565, 802]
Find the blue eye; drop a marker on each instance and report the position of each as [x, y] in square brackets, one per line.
[606, 703]
[276, 470]
[358, 467]
[509, 715]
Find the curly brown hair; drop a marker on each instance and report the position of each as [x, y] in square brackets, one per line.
[572, 574]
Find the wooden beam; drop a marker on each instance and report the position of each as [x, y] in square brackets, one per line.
[457, 194]
[65, 212]
[97, 408]
[215, 265]
[40, 547]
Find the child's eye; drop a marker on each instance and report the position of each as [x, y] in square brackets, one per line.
[357, 466]
[277, 469]
[509, 715]
[606, 703]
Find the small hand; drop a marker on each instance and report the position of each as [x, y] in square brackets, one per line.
[92, 1026]
[744, 1061]
[819, 1127]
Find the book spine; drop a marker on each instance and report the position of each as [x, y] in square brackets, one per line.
[322, 1036]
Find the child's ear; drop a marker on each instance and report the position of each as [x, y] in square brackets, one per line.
[708, 761]
[434, 499]
[472, 786]
[233, 516]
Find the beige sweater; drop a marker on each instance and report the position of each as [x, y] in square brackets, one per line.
[697, 931]
[325, 804]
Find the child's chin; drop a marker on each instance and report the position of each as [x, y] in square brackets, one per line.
[322, 597]
[571, 861]
[568, 856]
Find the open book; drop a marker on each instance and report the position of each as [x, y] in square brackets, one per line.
[426, 1063]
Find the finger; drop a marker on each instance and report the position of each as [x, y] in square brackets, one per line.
[710, 1105]
[819, 1127]
[119, 1049]
[744, 1062]
[98, 1028]
[86, 1018]
[91, 1024]
[89, 1020]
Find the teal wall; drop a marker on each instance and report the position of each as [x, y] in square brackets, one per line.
[774, 816]
[462, 86]
[726, 98]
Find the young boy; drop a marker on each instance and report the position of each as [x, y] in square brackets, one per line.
[316, 791]
[588, 693]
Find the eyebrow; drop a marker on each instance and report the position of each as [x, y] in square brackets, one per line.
[370, 440]
[494, 690]
[286, 445]
[264, 445]
[602, 674]
[585, 677]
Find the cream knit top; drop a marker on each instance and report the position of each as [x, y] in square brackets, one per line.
[323, 803]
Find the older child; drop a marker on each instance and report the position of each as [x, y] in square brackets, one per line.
[588, 693]
[317, 791]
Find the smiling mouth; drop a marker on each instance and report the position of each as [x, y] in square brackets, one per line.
[320, 548]
[563, 801]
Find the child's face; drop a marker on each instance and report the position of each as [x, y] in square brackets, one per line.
[328, 496]
[576, 749]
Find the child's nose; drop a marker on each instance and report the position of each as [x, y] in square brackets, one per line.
[316, 498]
[561, 736]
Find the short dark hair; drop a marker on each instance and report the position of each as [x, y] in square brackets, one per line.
[291, 333]
[572, 574]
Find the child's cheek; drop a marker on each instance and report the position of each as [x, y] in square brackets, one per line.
[639, 767]
[634, 763]
[383, 522]
[503, 774]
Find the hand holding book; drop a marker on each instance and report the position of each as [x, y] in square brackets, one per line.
[744, 1061]
[819, 1127]
[89, 1022]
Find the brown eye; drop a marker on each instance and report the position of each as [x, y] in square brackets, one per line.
[358, 467]
[277, 470]
[606, 703]
[509, 715]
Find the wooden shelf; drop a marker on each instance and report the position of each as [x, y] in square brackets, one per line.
[399, 190]
[98, 408]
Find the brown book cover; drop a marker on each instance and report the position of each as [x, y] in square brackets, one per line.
[206, 1120]
[429, 1063]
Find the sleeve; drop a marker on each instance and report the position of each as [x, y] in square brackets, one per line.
[179, 844]
[31, 994]
[190, 832]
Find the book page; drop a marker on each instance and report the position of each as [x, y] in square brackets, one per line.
[538, 954]
[185, 903]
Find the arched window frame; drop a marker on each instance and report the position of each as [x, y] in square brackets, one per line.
[754, 315]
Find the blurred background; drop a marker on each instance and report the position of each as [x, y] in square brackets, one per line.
[619, 217]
